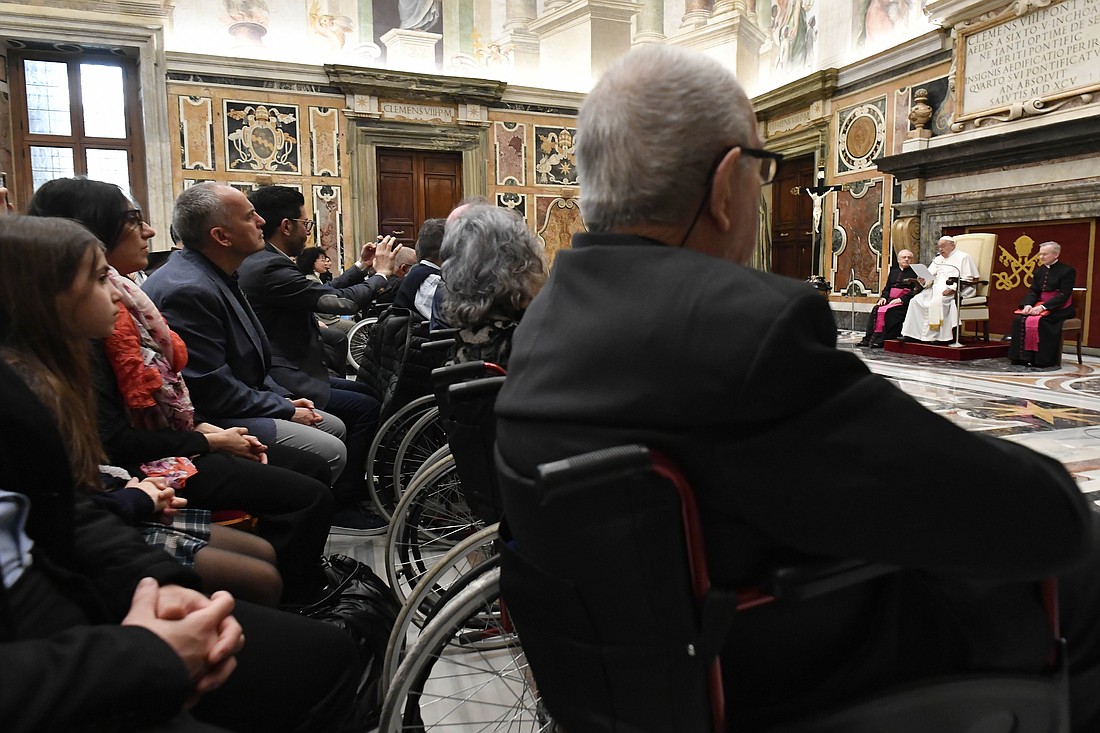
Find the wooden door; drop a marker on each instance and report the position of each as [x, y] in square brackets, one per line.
[792, 220]
[414, 185]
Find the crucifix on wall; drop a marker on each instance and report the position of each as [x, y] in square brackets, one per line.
[817, 194]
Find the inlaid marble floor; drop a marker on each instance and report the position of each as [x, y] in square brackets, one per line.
[1054, 411]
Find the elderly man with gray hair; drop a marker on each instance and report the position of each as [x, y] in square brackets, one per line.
[933, 315]
[652, 330]
[1037, 328]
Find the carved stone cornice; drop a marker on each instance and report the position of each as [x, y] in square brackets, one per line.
[949, 12]
[573, 13]
[798, 94]
[141, 8]
[407, 85]
[1008, 149]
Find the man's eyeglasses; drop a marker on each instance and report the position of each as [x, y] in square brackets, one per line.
[307, 223]
[769, 162]
[133, 216]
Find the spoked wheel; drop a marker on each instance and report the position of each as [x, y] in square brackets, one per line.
[424, 438]
[383, 451]
[460, 560]
[357, 341]
[432, 518]
[448, 681]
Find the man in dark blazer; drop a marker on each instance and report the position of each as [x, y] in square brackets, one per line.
[735, 375]
[1048, 302]
[229, 358]
[100, 631]
[285, 301]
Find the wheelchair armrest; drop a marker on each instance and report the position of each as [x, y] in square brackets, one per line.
[443, 333]
[475, 389]
[453, 373]
[816, 578]
[432, 347]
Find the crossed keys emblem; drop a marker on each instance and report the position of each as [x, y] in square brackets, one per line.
[1019, 267]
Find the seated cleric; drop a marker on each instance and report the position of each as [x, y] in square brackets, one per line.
[1049, 302]
[889, 313]
[932, 314]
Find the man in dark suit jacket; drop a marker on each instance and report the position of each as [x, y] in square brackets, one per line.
[102, 632]
[229, 358]
[736, 376]
[285, 301]
[1048, 302]
[417, 290]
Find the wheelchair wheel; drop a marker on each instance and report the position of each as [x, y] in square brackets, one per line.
[357, 341]
[457, 563]
[446, 681]
[383, 450]
[431, 518]
[424, 438]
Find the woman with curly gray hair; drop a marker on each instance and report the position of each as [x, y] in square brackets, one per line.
[493, 266]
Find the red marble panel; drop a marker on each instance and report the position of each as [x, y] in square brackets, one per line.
[859, 214]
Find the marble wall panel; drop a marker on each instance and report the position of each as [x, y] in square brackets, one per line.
[555, 159]
[517, 202]
[196, 133]
[261, 137]
[857, 252]
[558, 220]
[328, 213]
[861, 136]
[324, 141]
[510, 148]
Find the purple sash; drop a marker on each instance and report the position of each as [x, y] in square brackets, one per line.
[1031, 323]
[880, 316]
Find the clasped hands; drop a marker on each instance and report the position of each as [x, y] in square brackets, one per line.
[234, 441]
[304, 414]
[201, 631]
[1033, 310]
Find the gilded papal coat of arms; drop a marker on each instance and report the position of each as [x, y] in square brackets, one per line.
[1019, 267]
[261, 137]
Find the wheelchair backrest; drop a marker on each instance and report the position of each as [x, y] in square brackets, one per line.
[598, 580]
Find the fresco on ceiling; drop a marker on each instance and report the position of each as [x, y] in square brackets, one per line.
[472, 38]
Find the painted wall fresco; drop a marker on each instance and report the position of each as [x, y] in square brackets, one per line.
[472, 42]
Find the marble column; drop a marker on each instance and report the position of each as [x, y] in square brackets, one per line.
[696, 13]
[518, 13]
[730, 6]
[579, 39]
[650, 23]
[518, 41]
[554, 4]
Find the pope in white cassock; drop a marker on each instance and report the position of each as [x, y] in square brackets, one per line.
[932, 315]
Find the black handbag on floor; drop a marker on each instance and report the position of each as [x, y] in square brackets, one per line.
[365, 607]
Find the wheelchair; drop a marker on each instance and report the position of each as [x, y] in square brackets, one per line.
[436, 512]
[466, 666]
[656, 667]
[399, 377]
[466, 670]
